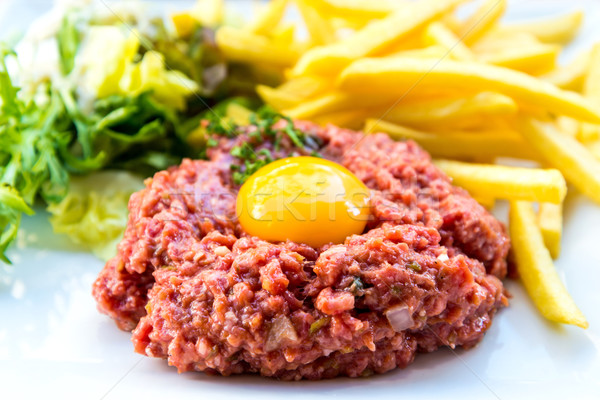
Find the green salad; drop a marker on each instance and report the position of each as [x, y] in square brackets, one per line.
[122, 96]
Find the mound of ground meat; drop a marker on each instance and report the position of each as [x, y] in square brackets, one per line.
[198, 291]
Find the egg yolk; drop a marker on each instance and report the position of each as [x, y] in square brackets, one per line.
[304, 199]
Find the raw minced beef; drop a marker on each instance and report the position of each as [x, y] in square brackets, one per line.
[197, 290]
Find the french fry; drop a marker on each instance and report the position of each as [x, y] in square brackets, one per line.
[487, 202]
[482, 20]
[375, 37]
[558, 29]
[243, 46]
[283, 34]
[184, 24]
[434, 51]
[204, 12]
[319, 28]
[276, 98]
[595, 149]
[351, 119]
[536, 270]
[348, 23]
[568, 125]
[306, 86]
[549, 220]
[451, 111]
[588, 133]
[591, 90]
[576, 162]
[591, 86]
[292, 92]
[452, 22]
[396, 75]
[512, 183]
[461, 145]
[497, 40]
[570, 76]
[208, 12]
[334, 102]
[268, 17]
[437, 34]
[363, 9]
[561, 151]
[534, 59]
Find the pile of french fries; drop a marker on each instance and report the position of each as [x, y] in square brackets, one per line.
[471, 91]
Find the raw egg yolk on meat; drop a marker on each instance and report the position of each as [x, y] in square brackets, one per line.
[304, 199]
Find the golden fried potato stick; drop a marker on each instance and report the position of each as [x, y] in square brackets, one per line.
[536, 269]
[570, 76]
[375, 37]
[293, 92]
[588, 133]
[363, 9]
[283, 34]
[486, 201]
[549, 220]
[534, 59]
[350, 119]
[434, 51]
[319, 28]
[438, 34]
[306, 86]
[209, 12]
[482, 20]
[333, 102]
[511, 183]
[591, 86]
[238, 45]
[559, 29]
[278, 99]
[184, 24]
[268, 17]
[204, 12]
[594, 148]
[451, 111]
[591, 90]
[565, 153]
[399, 75]
[568, 125]
[461, 145]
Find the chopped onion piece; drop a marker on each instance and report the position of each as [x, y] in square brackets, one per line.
[443, 257]
[399, 317]
[282, 332]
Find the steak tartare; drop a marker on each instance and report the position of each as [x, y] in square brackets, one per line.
[198, 291]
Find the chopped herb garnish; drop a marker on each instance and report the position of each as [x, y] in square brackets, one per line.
[213, 352]
[356, 287]
[264, 121]
[396, 290]
[366, 373]
[318, 325]
[414, 266]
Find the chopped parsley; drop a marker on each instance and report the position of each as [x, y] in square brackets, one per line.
[414, 266]
[264, 121]
[356, 287]
[318, 325]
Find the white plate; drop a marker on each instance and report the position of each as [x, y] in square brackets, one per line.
[53, 342]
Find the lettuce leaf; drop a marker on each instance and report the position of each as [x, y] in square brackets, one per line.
[94, 212]
[107, 65]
